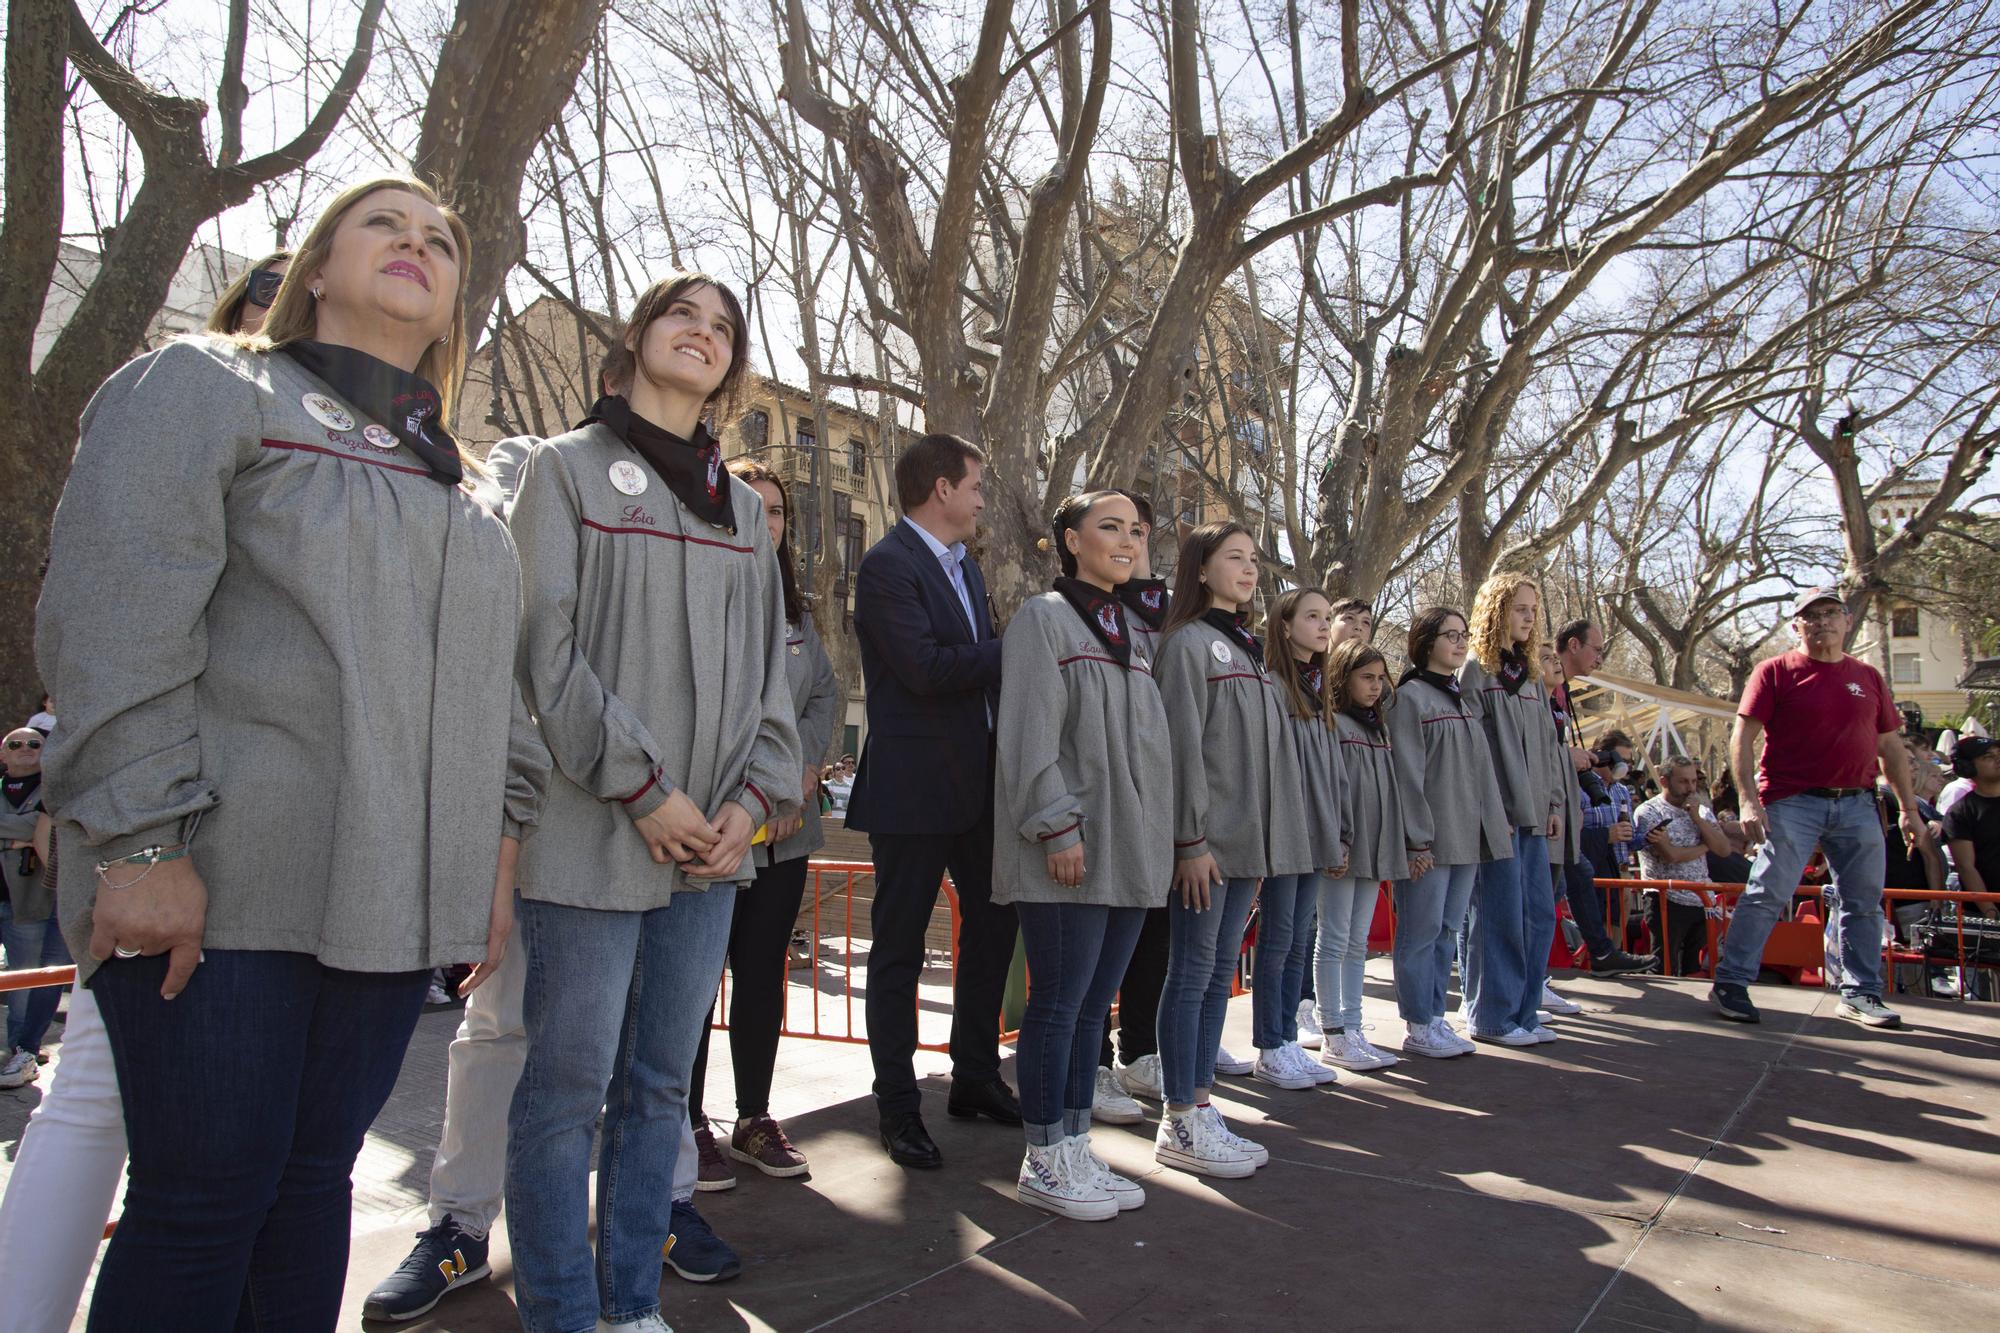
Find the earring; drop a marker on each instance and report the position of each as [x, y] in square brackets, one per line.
[443, 339]
[319, 292]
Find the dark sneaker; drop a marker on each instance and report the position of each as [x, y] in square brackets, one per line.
[763, 1144]
[715, 1172]
[1618, 963]
[1733, 1002]
[446, 1256]
[1868, 1009]
[696, 1253]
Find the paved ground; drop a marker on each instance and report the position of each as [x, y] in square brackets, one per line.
[1652, 1170]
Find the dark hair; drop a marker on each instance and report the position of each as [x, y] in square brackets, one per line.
[227, 316]
[1071, 515]
[1424, 633]
[1347, 606]
[933, 458]
[1347, 658]
[1140, 503]
[1285, 667]
[748, 470]
[1576, 631]
[1190, 599]
[621, 363]
[1614, 738]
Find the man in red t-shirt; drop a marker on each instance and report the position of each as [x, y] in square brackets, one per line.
[1827, 720]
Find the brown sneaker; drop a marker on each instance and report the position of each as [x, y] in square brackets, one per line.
[715, 1172]
[764, 1145]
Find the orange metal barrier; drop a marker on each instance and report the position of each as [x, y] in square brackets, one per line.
[30, 977]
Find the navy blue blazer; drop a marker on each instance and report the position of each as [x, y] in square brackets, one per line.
[927, 763]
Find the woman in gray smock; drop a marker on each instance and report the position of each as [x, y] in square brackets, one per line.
[1082, 837]
[1377, 849]
[293, 769]
[1451, 809]
[760, 930]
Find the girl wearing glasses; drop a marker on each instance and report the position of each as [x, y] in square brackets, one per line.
[246, 301]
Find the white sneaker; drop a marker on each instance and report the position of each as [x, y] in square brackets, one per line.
[1254, 1151]
[1511, 1037]
[1350, 1050]
[1451, 1036]
[1311, 1035]
[1371, 1048]
[1320, 1074]
[1556, 1004]
[1126, 1194]
[1225, 1063]
[1051, 1181]
[21, 1067]
[1542, 1034]
[1276, 1068]
[1141, 1078]
[650, 1323]
[1189, 1141]
[1423, 1039]
[1110, 1104]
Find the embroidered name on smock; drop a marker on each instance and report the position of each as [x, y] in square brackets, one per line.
[633, 529]
[372, 459]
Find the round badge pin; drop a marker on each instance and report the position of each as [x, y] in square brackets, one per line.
[1220, 651]
[327, 412]
[628, 477]
[380, 436]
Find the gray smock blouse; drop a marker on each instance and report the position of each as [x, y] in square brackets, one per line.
[1451, 798]
[1083, 758]
[1378, 847]
[654, 656]
[1238, 794]
[255, 612]
[817, 700]
[1521, 733]
[1322, 783]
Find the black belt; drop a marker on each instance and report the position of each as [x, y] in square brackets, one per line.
[1835, 793]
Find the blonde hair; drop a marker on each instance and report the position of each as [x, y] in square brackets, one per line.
[1489, 621]
[294, 314]
[1284, 666]
[227, 316]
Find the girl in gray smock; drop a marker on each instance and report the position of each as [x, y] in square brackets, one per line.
[1083, 837]
[1298, 633]
[1451, 809]
[1377, 846]
[1512, 921]
[1239, 815]
[760, 930]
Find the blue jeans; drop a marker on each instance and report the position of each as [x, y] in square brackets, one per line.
[1513, 922]
[246, 1100]
[1288, 905]
[614, 1005]
[1428, 909]
[34, 944]
[1346, 910]
[1202, 949]
[1077, 954]
[1849, 831]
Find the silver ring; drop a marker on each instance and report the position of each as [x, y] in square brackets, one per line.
[125, 953]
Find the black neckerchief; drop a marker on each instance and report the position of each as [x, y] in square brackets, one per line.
[1370, 718]
[1104, 614]
[1146, 599]
[692, 468]
[1230, 623]
[1561, 715]
[406, 403]
[1438, 680]
[19, 791]
[1513, 671]
[1312, 675]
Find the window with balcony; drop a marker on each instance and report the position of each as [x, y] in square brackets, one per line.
[1903, 622]
[857, 456]
[1907, 668]
[1254, 433]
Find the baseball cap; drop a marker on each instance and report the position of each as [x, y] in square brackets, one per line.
[1813, 596]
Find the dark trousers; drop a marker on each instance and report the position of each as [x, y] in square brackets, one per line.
[1586, 905]
[1682, 936]
[1139, 994]
[908, 867]
[760, 937]
[246, 1099]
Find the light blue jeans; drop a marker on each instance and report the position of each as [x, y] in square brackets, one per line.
[1288, 904]
[1346, 910]
[1849, 831]
[1429, 910]
[30, 945]
[1202, 949]
[614, 1005]
[1512, 924]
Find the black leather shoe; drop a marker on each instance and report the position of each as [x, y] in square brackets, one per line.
[994, 1100]
[907, 1142]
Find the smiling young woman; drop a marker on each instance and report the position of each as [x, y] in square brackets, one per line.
[272, 613]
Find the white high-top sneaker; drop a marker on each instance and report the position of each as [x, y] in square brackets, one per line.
[1320, 1074]
[1311, 1035]
[1225, 1063]
[1190, 1142]
[1256, 1152]
[1050, 1181]
[1111, 1104]
[1141, 1078]
[1423, 1039]
[1275, 1067]
[1556, 1004]
[1125, 1193]
[1445, 1030]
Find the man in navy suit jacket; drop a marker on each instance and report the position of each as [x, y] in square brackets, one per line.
[930, 663]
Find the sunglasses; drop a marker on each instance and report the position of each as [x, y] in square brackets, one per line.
[24, 745]
[263, 288]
